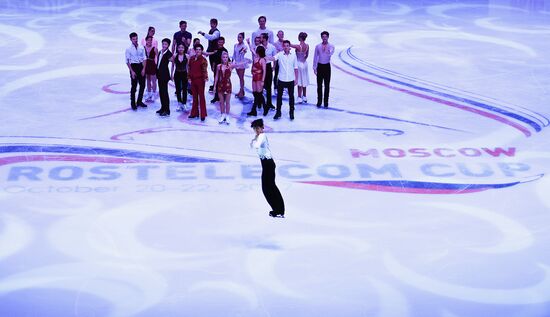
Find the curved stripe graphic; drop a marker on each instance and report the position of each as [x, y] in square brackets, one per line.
[418, 187]
[441, 101]
[507, 113]
[92, 151]
[69, 158]
[107, 88]
[536, 126]
[107, 114]
[526, 112]
[127, 135]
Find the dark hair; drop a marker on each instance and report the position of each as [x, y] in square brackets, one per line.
[150, 28]
[262, 17]
[286, 42]
[265, 36]
[167, 40]
[199, 46]
[221, 38]
[302, 36]
[325, 33]
[196, 39]
[183, 22]
[260, 50]
[241, 34]
[257, 123]
[133, 34]
[148, 37]
[214, 20]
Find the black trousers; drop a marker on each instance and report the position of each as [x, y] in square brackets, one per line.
[163, 94]
[137, 68]
[267, 84]
[323, 77]
[281, 85]
[180, 80]
[276, 76]
[269, 188]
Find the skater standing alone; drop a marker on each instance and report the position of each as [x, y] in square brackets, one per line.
[269, 188]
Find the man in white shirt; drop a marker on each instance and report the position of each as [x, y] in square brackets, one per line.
[288, 72]
[262, 29]
[279, 46]
[135, 60]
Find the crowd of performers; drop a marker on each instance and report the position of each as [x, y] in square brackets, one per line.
[274, 63]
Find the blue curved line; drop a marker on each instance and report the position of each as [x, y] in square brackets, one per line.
[366, 115]
[431, 185]
[394, 119]
[440, 86]
[104, 151]
[533, 124]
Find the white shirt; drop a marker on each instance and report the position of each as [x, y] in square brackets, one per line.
[287, 65]
[134, 55]
[212, 36]
[270, 50]
[259, 32]
[262, 146]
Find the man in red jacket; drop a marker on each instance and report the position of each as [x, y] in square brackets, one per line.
[198, 76]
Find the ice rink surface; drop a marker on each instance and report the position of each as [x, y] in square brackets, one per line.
[421, 191]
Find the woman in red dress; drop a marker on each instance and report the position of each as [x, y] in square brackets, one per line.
[223, 84]
[258, 77]
[151, 53]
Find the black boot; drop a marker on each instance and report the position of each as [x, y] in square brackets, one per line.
[253, 110]
[261, 101]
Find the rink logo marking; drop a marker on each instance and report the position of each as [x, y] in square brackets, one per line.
[96, 152]
[70, 158]
[334, 175]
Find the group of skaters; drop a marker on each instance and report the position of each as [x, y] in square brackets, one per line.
[182, 59]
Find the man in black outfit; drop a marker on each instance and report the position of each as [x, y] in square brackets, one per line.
[270, 51]
[212, 37]
[181, 37]
[163, 76]
[135, 60]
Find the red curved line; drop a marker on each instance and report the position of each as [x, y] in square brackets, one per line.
[525, 131]
[107, 89]
[107, 114]
[70, 158]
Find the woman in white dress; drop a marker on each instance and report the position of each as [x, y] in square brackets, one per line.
[239, 50]
[302, 52]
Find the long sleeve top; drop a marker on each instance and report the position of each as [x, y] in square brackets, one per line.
[287, 64]
[134, 55]
[322, 54]
[198, 68]
[258, 32]
[261, 145]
